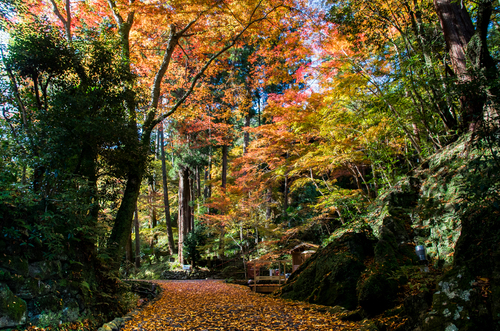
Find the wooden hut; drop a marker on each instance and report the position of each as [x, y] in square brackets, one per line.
[300, 253]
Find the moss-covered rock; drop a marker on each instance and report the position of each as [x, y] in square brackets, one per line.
[12, 308]
[32, 288]
[18, 265]
[49, 302]
[45, 269]
[330, 276]
[5, 275]
[459, 304]
[377, 293]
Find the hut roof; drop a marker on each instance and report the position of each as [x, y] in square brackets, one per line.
[303, 247]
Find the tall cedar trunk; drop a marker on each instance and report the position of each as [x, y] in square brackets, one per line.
[137, 240]
[166, 203]
[467, 58]
[223, 185]
[192, 197]
[184, 218]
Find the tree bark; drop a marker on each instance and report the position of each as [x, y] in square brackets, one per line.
[125, 215]
[469, 54]
[246, 134]
[166, 203]
[129, 252]
[224, 167]
[137, 240]
[184, 218]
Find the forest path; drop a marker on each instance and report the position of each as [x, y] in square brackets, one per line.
[215, 305]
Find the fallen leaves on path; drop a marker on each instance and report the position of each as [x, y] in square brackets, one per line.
[214, 305]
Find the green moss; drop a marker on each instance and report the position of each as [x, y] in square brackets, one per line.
[49, 303]
[5, 275]
[329, 277]
[10, 305]
[377, 293]
[17, 309]
[15, 263]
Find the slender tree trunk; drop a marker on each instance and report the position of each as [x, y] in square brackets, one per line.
[166, 203]
[192, 198]
[224, 167]
[137, 240]
[285, 198]
[246, 134]
[268, 204]
[184, 218]
[129, 252]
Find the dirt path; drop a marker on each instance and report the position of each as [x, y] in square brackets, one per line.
[215, 305]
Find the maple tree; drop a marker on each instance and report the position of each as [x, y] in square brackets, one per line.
[178, 70]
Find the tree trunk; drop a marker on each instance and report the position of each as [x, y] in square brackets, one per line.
[224, 167]
[469, 54]
[129, 252]
[166, 203]
[246, 134]
[124, 217]
[268, 204]
[192, 198]
[223, 185]
[137, 240]
[184, 218]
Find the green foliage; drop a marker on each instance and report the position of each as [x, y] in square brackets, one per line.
[192, 243]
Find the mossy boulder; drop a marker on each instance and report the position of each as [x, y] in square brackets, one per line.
[49, 302]
[32, 288]
[459, 304]
[5, 275]
[15, 264]
[45, 269]
[12, 308]
[330, 276]
[468, 296]
[377, 293]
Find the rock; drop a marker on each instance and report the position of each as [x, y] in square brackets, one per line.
[377, 293]
[330, 276]
[5, 275]
[415, 308]
[12, 309]
[45, 269]
[460, 304]
[15, 263]
[33, 288]
[49, 302]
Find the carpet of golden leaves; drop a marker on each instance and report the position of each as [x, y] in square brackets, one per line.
[215, 305]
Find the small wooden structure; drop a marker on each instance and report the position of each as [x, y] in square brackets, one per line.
[300, 253]
[265, 270]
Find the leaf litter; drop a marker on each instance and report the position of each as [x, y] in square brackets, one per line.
[214, 305]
